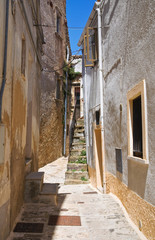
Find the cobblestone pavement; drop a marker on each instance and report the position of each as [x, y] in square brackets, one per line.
[81, 213]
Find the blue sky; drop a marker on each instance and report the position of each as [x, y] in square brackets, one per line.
[78, 12]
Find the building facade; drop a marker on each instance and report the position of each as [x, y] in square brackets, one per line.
[20, 68]
[76, 94]
[53, 83]
[118, 74]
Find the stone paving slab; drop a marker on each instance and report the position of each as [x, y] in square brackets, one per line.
[102, 216]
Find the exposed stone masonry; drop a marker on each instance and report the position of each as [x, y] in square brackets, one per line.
[54, 55]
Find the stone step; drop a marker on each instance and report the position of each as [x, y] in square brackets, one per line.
[77, 139]
[75, 181]
[79, 130]
[80, 122]
[38, 192]
[38, 176]
[79, 126]
[77, 166]
[33, 186]
[79, 146]
[76, 159]
[79, 175]
[79, 135]
[79, 143]
[76, 152]
[49, 193]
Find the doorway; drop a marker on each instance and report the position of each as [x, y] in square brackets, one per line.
[98, 158]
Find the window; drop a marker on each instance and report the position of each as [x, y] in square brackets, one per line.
[90, 47]
[137, 122]
[67, 129]
[77, 95]
[51, 4]
[23, 57]
[97, 117]
[57, 88]
[137, 128]
[58, 24]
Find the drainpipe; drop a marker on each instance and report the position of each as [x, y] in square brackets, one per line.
[86, 112]
[5, 58]
[65, 125]
[101, 91]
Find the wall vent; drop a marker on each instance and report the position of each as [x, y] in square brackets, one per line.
[119, 165]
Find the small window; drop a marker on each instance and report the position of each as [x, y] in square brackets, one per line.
[90, 47]
[67, 129]
[137, 122]
[92, 44]
[137, 128]
[51, 4]
[119, 163]
[57, 88]
[23, 57]
[58, 24]
[77, 95]
[97, 117]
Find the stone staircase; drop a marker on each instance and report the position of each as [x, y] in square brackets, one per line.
[77, 164]
[36, 191]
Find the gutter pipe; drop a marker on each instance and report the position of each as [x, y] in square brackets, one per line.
[65, 125]
[101, 91]
[5, 58]
[86, 112]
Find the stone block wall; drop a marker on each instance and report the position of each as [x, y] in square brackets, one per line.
[54, 55]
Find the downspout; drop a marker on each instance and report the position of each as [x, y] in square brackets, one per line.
[65, 124]
[101, 92]
[86, 112]
[5, 58]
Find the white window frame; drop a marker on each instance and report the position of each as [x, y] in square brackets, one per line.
[138, 90]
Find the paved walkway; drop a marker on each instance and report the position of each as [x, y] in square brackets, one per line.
[96, 216]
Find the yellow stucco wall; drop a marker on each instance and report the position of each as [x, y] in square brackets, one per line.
[137, 208]
[14, 112]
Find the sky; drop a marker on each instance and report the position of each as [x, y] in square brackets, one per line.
[78, 12]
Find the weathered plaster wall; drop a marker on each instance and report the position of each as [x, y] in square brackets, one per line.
[129, 58]
[138, 209]
[52, 109]
[5, 164]
[15, 103]
[25, 92]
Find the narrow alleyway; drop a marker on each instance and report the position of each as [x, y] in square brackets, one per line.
[81, 213]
